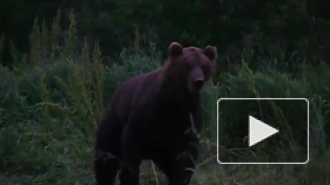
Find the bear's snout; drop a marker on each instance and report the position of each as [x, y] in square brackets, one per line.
[198, 84]
[197, 79]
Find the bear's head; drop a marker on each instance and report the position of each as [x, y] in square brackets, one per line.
[190, 67]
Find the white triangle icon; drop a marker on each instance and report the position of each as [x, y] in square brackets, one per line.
[259, 131]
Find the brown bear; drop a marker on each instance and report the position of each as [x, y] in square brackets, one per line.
[155, 116]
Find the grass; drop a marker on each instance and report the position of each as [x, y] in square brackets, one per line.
[50, 102]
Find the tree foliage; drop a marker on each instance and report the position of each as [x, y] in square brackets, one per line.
[291, 30]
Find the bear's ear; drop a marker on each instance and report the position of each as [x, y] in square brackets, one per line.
[175, 49]
[211, 52]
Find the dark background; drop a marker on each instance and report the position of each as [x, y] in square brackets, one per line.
[298, 27]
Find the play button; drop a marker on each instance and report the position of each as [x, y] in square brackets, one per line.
[262, 131]
[259, 131]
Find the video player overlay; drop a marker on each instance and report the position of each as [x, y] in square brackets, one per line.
[263, 131]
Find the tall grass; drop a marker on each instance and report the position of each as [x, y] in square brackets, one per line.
[50, 103]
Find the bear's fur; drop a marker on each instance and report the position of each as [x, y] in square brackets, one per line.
[155, 116]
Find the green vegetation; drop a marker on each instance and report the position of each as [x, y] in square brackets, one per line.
[50, 101]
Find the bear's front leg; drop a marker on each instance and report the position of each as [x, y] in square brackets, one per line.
[131, 154]
[196, 115]
[183, 165]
